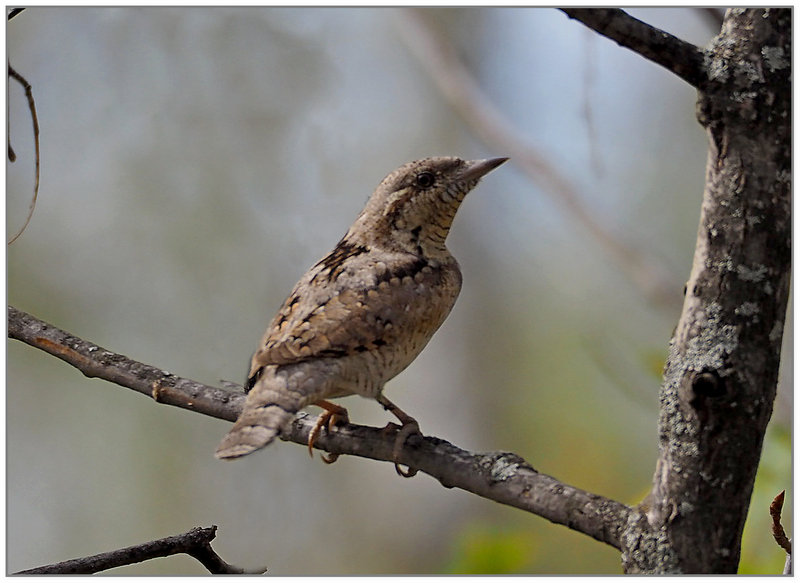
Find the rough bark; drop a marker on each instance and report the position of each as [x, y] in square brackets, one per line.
[721, 376]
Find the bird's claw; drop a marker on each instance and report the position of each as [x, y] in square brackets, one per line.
[407, 430]
[329, 458]
[331, 416]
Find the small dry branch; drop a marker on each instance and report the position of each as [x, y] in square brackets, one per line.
[778, 533]
[196, 543]
[777, 528]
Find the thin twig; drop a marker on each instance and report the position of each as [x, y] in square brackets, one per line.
[467, 98]
[32, 106]
[777, 528]
[678, 56]
[503, 477]
[195, 543]
[778, 533]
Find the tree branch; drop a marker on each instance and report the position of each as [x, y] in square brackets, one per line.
[500, 476]
[14, 12]
[678, 56]
[196, 543]
[503, 477]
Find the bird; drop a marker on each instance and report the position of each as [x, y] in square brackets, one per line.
[363, 313]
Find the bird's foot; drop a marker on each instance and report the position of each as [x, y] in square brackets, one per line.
[410, 427]
[332, 415]
[406, 431]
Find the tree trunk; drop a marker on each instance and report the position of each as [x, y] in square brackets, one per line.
[721, 375]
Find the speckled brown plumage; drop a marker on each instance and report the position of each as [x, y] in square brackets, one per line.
[366, 310]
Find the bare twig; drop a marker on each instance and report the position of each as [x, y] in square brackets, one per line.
[678, 56]
[503, 477]
[778, 533]
[777, 528]
[32, 106]
[195, 543]
[467, 98]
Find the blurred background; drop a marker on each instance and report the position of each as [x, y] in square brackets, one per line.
[196, 161]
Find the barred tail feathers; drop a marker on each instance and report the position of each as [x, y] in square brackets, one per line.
[269, 407]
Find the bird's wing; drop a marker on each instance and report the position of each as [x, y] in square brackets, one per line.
[337, 311]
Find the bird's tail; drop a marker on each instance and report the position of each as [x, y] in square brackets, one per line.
[268, 409]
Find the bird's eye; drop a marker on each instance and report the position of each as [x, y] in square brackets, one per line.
[425, 179]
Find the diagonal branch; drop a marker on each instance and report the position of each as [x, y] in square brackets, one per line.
[678, 56]
[503, 477]
[500, 476]
[196, 543]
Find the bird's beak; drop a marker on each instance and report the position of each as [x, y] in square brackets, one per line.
[477, 168]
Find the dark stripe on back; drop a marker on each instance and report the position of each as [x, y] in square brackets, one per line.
[334, 261]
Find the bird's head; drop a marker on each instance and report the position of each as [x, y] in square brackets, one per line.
[413, 207]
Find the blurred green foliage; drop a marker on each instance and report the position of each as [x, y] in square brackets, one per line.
[486, 550]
